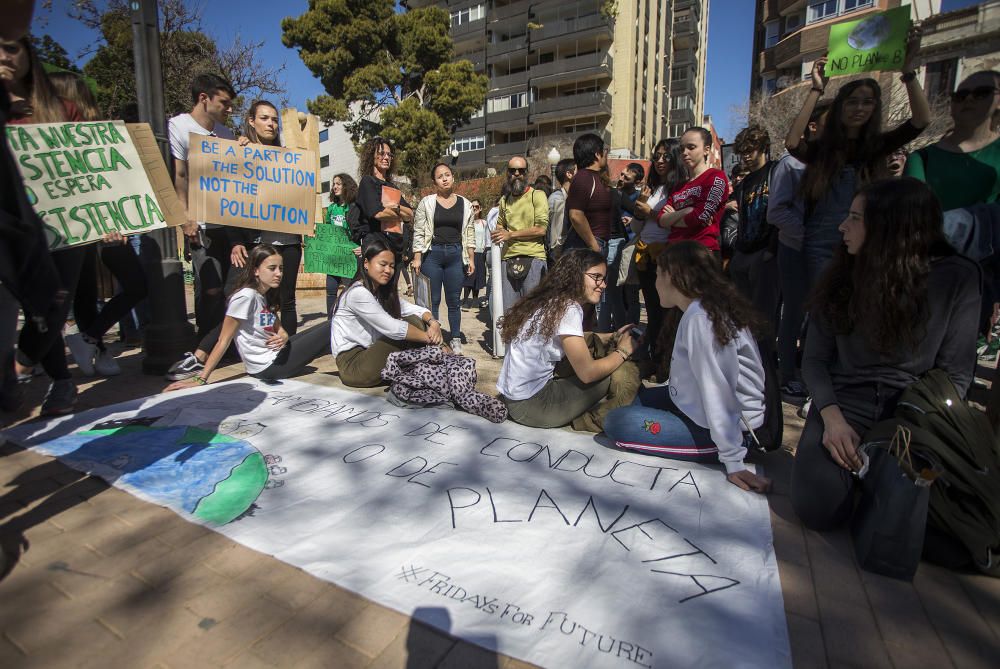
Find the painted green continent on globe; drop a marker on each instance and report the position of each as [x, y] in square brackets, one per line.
[870, 33]
[214, 477]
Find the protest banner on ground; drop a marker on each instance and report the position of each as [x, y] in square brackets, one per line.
[544, 545]
[254, 186]
[331, 252]
[87, 179]
[876, 42]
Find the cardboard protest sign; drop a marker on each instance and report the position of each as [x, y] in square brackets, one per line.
[876, 42]
[254, 186]
[88, 179]
[617, 165]
[331, 252]
[301, 131]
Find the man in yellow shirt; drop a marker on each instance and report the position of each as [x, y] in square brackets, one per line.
[521, 225]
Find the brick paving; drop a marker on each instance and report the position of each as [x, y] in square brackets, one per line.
[106, 580]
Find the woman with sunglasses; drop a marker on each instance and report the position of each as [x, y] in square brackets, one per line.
[550, 376]
[963, 170]
[668, 174]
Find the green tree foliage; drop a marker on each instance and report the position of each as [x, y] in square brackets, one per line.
[52, 52]
[375, 63]
[185, 50]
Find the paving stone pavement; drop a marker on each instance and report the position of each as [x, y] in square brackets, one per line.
[104, 579]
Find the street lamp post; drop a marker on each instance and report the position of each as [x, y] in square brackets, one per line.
[553, 157]
[168, 333]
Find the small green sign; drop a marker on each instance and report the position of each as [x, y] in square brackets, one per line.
[876, 42]
[331, 252]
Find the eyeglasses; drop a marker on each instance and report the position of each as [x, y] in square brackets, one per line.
[657, 157]
[977, 93]
[384, 154]
[476, 206]
[598, 278]
[517, 170]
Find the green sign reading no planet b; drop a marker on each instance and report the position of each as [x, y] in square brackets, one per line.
[876, 42]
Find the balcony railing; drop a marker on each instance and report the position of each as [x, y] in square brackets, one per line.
[509, 80]
[468, 28]
[510, 10]
[509, 46]
[600, 59]
[584, 103]
[566, 27]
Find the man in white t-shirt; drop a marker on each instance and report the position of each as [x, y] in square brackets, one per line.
[212, 98]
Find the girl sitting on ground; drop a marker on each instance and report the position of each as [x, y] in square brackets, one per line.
[715, 397]
[896, 302]
[546, 327]
[371, 320]
[253, 320]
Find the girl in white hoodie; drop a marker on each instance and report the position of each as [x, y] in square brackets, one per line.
[715, 397]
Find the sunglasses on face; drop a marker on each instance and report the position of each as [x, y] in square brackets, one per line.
[657, 157]
[517, 170]
[977, 93]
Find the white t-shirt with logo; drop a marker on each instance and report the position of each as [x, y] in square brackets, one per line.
[257, 325]
[530, 362]
[179, 130]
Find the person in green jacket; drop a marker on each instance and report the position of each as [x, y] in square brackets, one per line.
[343, 192]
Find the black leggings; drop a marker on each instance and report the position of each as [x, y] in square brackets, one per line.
[124, 265]
[291, 256]
[654, 312]
[48, 348]
[300, 350]
[822, 490]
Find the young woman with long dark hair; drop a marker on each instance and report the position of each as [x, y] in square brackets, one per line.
[693, 211]
[546, 327]
[715, 398]
[896, 302]
[371, 320]
[668, 173]
[850, 151]
[33, 99]
[375, 166]
[253, 319]
[444, 247]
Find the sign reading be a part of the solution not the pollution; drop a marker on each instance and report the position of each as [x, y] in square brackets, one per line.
[88, 179]
[876, 42]
[254, 186]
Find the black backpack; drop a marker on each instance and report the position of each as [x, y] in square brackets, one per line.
[768, 436]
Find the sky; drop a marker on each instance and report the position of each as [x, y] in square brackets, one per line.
[730, 44]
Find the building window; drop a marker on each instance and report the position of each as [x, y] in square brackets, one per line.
[769, 84]
[940, 78]
[468, 144]
[681, 102]
[325, 186]
[772, 33]
[679, 75]
[825, 9]
[324, 134]
[324, 161]
[677, 129]
[793, 23]
[479, 112]
[467, 15]
[505, 102]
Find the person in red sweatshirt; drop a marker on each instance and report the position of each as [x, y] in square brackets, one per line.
[694, 210]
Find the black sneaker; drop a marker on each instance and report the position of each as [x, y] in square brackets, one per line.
[61, 398]
[185, 368]
[795, 389]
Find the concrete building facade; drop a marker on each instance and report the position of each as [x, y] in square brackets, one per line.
[630, 71]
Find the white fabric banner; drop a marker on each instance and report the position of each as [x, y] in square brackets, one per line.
[541, 544]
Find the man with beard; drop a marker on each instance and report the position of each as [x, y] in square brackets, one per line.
[521, 225]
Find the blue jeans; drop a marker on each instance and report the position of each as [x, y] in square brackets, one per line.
[443, 265]
[794, 289]
[611, 311]
[653, 424]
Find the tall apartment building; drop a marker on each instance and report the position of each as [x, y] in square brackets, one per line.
[791, 34]
[559, 69]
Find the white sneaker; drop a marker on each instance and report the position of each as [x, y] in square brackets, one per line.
[84, 353]
[106, 365]
[456, 346]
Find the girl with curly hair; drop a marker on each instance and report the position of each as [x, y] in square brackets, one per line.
[715, 398]
[896, 302]
[375, 165]
[544, 329]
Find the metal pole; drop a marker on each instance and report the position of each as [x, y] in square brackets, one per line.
[169, 334]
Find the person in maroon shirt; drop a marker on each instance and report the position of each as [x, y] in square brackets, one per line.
[694, 210]
[589, 199]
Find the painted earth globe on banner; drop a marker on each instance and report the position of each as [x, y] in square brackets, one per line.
[870, 33]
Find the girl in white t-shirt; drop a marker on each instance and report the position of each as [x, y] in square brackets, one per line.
[545, 327]
[252, 319]
[371, 320]
[716, 393]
